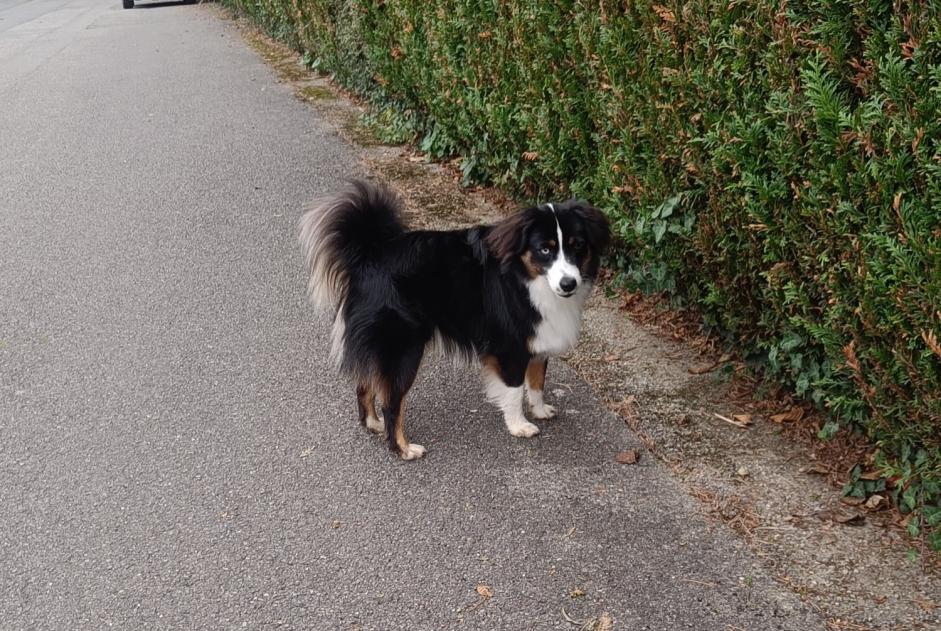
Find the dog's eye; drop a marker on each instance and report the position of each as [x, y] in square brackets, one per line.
[578, 244]
[545, 251]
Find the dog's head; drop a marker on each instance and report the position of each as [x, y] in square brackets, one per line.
[562, 242]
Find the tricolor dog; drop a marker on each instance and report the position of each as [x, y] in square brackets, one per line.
[508, 295]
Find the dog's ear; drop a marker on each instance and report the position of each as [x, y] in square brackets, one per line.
[507, 239]
[475, 239]
[597, 226]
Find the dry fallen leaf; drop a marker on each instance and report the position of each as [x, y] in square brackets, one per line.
[817, 469]
[730, 421]
[611, 358]
[850, 500]
[742, 472]
[485, 591]
[628, 457]
[874, 502]
[576, 592]
[925, 604]
[795, 414]
[903, 521]
[702, 368]
[849, 519]
[744, 419]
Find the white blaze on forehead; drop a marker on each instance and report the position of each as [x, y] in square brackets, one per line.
[560, 267]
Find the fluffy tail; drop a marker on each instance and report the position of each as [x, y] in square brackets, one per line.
[340, 233]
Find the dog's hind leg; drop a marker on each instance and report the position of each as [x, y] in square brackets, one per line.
[504, 383]
[535, 384]
[366, 402]
[392, 395]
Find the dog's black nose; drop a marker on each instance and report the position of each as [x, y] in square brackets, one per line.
[568, 284]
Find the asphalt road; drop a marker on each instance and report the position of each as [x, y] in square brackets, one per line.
[175, 452]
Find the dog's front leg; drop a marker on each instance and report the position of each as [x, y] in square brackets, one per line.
[535, 383]
[504, 382]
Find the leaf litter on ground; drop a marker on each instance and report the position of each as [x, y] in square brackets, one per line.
[604, 622]
[629, 456]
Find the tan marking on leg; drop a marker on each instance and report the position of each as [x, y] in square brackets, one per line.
[491, 363]
[536, 373]
[368, 414]
[535, 384]
[400, 440]
[381, 389]
[407, 450]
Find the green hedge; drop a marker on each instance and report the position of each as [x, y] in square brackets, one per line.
[775, 163]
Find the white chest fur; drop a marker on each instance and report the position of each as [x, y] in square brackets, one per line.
[561, 317]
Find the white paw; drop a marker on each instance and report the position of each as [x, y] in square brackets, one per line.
[524, 430]
[374, 424]
[412, 452]
[544, 411]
